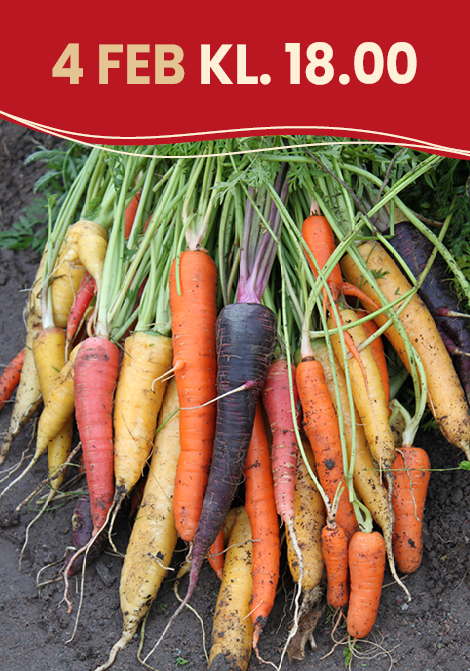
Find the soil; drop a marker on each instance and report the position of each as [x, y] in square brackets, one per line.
[430, 632]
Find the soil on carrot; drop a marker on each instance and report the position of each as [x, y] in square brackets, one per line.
[430, 632]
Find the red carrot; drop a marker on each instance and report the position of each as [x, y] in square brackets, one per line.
[80, 305]
[277, 403]
[96, 372]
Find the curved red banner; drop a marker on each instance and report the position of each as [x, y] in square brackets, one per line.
[164, 73]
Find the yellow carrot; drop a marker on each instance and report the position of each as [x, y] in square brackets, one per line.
[153, 538]
[446, 398]
[232, 630]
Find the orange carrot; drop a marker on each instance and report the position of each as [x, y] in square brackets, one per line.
[129, 214]
[96, 371]
[366, 568]
[411, 479]
[261, 509]
[322, 429]
[318, 235]
[335, 552]
[10, 378]
[193, 317]
[284, 450]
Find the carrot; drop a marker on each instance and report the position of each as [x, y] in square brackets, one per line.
[96, 371]
[129, 214]
[277, 403]
[80, 305]
[335, 552]
[28, 395]
[82, 530]
[411, 479]
[446, 398]
[153, 538]
[318, 235]
[367, 481]
[49, 356]
[261, 509]
[10, 378]
[321, 427]
[139, 395]
[232, 629]
[60, 404]
[215, 556]
[87, 242]
[65, 282]
[193, 317]
[308, 522]
[369, 399]
[378, 353]
[366, 556]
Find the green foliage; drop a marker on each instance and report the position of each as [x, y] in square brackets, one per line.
[62, 167]
[30, 231]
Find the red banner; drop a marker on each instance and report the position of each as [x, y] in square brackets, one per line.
[163, 73]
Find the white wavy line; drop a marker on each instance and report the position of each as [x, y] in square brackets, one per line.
[72, 136]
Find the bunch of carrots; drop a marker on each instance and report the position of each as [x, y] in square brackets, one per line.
[207, 321]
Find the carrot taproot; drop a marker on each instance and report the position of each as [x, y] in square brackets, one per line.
[411, 478]
[335, 552]
[437, 294]
[60, 404]
[378, 352]
[367, 481]
[48, 347]
[10, 378]
[284, 449]
[215, 556]
[96, 372]
[193, 318]
[369, 399]
[82, 530]
[87, 242]
[65, 281]
[309, 520]
[28, 395]
[322, 429]
[261, 508]
[153, 537]
[318, 235]
[366, 555]
[446, 398]
[139, 395]
[129, 214]
[232, 629]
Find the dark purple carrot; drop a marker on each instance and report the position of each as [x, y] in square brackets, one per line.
[436, 292]
[82, 529]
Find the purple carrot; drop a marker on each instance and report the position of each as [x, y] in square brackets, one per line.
[82, 529]
[436, 292]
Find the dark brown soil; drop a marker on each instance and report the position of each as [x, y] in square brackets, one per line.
[431, 632]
